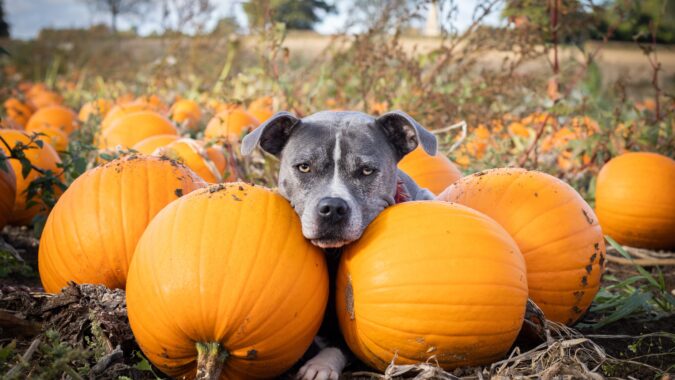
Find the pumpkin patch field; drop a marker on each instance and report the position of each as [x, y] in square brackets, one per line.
[138, 242]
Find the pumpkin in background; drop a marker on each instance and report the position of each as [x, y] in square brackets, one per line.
[261, 114]
[44, 98]
[91, 233]
[17, 111]
[53, 116]
[635, 200]
[193, 155]
[556, 230]
[7, 190]
[230, 125]
[155, 102]
[261, 108]
[9, 123]
[54, 135]
[98, 107]
[121, 110]
[431, 279]
[224, 275]
[185, 111]
[130, 129]
[430, 172]
[226, 168]
[44, 158]
[150, 144]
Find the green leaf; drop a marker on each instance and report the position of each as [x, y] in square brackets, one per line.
[632, 304]
[26, 167]
[7, 351]
[143, 364]
[646, 275]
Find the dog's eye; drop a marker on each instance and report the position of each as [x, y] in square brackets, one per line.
[304, 168]
[367, 171]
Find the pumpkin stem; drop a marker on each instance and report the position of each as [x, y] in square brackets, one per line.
[210, 360]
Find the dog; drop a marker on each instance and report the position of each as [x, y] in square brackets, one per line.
[339, 171]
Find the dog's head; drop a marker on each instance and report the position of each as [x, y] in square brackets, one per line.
[338, 169]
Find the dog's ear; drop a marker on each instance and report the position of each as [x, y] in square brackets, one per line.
[271, 135]
[405, 134]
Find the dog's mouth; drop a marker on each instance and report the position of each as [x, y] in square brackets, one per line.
[327, 243]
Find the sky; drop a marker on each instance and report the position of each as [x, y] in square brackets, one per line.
[27, 17]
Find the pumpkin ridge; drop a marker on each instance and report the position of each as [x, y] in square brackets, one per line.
[570, 199]
[228, 334]
[399, 330]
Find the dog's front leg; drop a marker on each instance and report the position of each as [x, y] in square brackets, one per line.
[327, 364]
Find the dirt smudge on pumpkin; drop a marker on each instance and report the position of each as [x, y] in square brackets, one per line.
[251, 354]
[349, 297]
[584, 281]
[593, 256]
[602, 260]
[178, 192]
[589, 268]
[587, 216]
[578, 295]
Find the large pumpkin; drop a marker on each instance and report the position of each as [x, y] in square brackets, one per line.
[230, 125]
[431, 279]
[224, 279]
[7, 190]
[556, 230]
[53, 116]
[91, 233]
[430, 172]
[635, 200]
[128, 130]
[44, 158]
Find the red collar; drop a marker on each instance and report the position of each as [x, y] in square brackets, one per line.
[401, 192]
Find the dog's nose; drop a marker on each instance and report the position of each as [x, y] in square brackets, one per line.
[333, 209]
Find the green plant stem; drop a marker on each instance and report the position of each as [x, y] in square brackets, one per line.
[210, 360]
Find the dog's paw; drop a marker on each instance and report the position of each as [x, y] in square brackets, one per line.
[316, 371]
[327, 365]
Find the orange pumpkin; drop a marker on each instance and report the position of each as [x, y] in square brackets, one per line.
[7, 190]
[98, 107]
[17, 111]
[635, 200]
[122, 110]
[261, 114]
[44, 98]
[556, 230]
[230, 125]
[54, 116]
[226, 168]
[186, 112]
[193, 155]
[261, 108]
[223, 279]
[431, 279]
[150, 144]
[91, 233]
[130, 129]
[44, 158]
[54, 135]
[430, 172]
